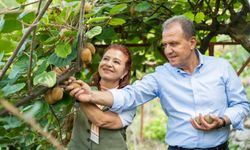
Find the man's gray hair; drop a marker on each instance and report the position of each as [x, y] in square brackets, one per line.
[186, 25]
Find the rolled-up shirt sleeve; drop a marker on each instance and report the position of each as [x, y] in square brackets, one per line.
[238, 105]
[127, 117]
[117, 104]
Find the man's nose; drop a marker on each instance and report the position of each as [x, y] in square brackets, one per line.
[168, 50]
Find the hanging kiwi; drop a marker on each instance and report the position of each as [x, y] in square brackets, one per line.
[54, 95]
[91, 47]
[86, 56]
[48, 97]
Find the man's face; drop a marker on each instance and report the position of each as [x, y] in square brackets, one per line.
[177, 48]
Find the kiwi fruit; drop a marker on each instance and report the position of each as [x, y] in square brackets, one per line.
[48, 97]
[197, 120]
[75, 85]
[54, 95]
[57, 93]
[208, 119]
[91, 47]
[86, 56]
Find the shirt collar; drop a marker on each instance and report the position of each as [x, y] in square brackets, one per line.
[201, 62]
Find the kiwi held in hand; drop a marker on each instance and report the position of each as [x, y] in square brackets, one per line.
[208, 119]
[197, 120]
[75, 85]
[86, 56]
[91, 47]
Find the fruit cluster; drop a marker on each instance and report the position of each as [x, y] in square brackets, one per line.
[207, 118]
[87, 52]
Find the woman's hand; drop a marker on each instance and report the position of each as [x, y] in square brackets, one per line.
[78, 89]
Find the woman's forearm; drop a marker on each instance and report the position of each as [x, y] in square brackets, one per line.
[102, 119]
[102, 98]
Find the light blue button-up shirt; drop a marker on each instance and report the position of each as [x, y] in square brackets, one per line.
[214, 88]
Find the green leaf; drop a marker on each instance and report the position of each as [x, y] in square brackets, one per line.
[7, 45]
[189, 15]
[43, 110]
[199, 17]
[12, 122]
[32, 110]
[20, 66]
[47, 79]
[98, 19]
[21, 1]
[61, 62]
[27, 17]
[41, 66]
[143, 6]
[117, 21]
[94, 31]
[107, 34]
[117, 9]
[10, 89]
[51, 40]
[63, 50]
[8, 23]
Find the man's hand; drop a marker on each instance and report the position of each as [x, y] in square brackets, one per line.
[202, 124]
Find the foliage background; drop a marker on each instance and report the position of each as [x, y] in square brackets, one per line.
[135, 23]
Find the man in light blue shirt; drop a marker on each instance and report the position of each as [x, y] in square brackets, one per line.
[190, 85]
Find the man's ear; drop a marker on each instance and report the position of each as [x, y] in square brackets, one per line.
[193, 42]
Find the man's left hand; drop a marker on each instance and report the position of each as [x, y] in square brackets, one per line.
[204, 125]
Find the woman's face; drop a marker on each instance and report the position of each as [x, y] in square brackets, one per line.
[113, 65]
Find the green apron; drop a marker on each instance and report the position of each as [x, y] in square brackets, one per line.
[109, 139]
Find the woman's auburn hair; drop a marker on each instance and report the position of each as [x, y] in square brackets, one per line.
[126, 79]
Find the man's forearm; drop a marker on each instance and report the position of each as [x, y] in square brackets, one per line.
[102, 97]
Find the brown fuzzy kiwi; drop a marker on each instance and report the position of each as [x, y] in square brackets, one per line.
[75, 85]
[86, 56]
[91, 47]
[208, 119]
[48, 97]
[57, 93]
[87, 7]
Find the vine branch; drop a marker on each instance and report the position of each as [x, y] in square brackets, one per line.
[32, 122]
[25, 36]
[13, 9]
[57, 120]
[31, 52]
[41, 90]
[81, 30]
